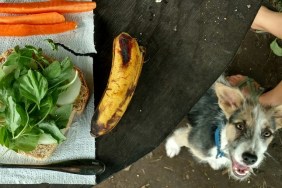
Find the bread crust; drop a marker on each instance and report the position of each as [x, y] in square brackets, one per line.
[44, 151]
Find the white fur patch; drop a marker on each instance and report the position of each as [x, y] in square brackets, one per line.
[172, 148]
[176, 141]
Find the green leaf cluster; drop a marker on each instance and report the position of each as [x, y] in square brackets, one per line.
[30, 84]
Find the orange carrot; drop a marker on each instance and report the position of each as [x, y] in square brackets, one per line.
[47, 6]
[26, 29]
[43, 18]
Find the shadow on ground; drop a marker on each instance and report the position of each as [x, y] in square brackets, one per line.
[156, 170]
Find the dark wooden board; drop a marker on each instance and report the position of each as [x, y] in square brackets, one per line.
[189, 44]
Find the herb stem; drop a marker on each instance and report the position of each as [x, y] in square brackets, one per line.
[32, 109]
[22, 131]
[43, 117]
[70, 83]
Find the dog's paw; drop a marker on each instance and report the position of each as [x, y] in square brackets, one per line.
[172, 148]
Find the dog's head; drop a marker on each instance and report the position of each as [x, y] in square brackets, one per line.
[249, 129]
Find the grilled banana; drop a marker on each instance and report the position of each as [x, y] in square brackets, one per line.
[127, 64]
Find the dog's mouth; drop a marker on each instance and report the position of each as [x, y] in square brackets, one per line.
[239, 170]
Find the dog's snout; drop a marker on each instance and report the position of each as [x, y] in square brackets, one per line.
[249, 158]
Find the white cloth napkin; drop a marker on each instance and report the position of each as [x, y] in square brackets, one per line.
[79, 142]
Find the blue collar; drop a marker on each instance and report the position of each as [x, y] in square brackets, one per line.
[217, 140]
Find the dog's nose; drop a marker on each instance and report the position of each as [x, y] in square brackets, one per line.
[249, 158]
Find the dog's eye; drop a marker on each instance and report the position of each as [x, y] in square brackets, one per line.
[266, 133]
[240, 126]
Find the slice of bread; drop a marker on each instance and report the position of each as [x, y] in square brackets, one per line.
[42, 152]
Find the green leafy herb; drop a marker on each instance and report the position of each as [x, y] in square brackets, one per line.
[61, 115]
[27, 141]
[47, 139]
[22, 58]
[67, 73]
[5, 136]
[29, 88]
[53, 70]
[33, 86]
[53, 45]
[2, 106]
[14, 117]
[52, 129]
[42, 113]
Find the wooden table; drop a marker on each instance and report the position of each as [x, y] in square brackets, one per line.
[189, 44]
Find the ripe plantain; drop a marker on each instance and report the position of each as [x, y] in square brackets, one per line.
[127, 62]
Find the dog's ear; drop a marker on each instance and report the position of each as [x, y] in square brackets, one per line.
[229, 99]
[278, 116]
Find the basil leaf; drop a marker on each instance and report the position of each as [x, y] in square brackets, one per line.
[13, 115]
[33, 86]
[2, 118]
[12, 59]
[3, 98]
[53, 70]
[53, 45]
[67, 73]
[25, 57]
[4, 95]
[22, 57]
[61, 115]
[45, 108]
[11, 65]
[33, 50]
[37, 56]
[52, 129]
[17, 48]
[47, 139]
[2, 74]
[67, 70]
[67, 65]
[28, 140]
[6, 71]
[2, 106]
[7, 81]
[4, 136]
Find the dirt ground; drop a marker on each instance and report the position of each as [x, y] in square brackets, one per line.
[156, 170]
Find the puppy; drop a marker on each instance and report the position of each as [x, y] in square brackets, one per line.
[227, 130]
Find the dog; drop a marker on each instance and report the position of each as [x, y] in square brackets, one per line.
[227, 129]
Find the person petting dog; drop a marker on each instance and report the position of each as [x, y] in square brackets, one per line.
[269, 98]
[233, 123]
[268, 21]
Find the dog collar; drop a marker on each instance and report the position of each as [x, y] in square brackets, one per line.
[217, 140]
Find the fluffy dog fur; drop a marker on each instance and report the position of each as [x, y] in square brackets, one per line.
[246, 130]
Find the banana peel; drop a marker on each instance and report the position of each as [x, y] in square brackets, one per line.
[127, 63]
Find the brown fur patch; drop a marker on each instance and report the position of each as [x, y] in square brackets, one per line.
[231, 133]
[229, 99]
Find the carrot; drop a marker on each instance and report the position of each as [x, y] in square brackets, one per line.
[43, 18]
[26, 29]
[47, 6]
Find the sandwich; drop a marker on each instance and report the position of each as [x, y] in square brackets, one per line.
[39, 98]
